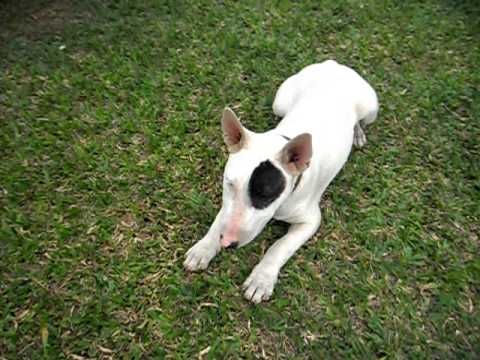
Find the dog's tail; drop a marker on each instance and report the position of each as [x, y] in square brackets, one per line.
[367, 107]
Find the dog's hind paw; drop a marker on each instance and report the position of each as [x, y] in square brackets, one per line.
[259, 285]
[359, 137]
[199, 256]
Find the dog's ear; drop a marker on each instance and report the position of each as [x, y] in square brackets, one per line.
[295, 156]
[234, 134]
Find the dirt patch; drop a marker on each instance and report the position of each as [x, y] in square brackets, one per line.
[36, 19]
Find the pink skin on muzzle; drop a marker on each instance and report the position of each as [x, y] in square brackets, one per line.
[232, 228]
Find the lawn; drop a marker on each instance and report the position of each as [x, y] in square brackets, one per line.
[111, 162]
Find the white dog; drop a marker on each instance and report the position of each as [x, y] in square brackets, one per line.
[283, 173]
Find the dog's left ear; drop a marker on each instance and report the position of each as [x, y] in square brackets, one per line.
[234, 134]
[295, 156]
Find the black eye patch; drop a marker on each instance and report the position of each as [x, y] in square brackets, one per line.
[266, 184]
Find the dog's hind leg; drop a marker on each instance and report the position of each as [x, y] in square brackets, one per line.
[367, 111]
[370, 116]
[359, 138]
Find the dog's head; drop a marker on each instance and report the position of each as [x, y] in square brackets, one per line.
[260, 174]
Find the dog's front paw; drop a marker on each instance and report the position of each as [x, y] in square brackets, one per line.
[199, 256]
[259, 285]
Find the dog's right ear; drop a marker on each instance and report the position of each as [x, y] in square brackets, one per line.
[234, 134]
[295, 156]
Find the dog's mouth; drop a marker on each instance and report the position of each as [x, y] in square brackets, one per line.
[232, 245]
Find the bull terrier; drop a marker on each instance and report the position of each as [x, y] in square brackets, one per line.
[282, 173]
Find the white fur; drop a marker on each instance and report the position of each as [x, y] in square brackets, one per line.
[332, 103]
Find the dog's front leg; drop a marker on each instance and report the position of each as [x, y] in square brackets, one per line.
[199, 255]
[259, 285]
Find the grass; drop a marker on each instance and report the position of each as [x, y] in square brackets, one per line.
[111, 156]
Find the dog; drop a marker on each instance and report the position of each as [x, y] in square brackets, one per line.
[282, 173]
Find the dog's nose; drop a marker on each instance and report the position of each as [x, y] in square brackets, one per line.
[226, 244]
[232, 245]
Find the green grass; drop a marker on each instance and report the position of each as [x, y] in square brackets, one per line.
[111, 160]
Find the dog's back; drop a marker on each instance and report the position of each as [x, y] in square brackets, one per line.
[327, 100]
[324, 88]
